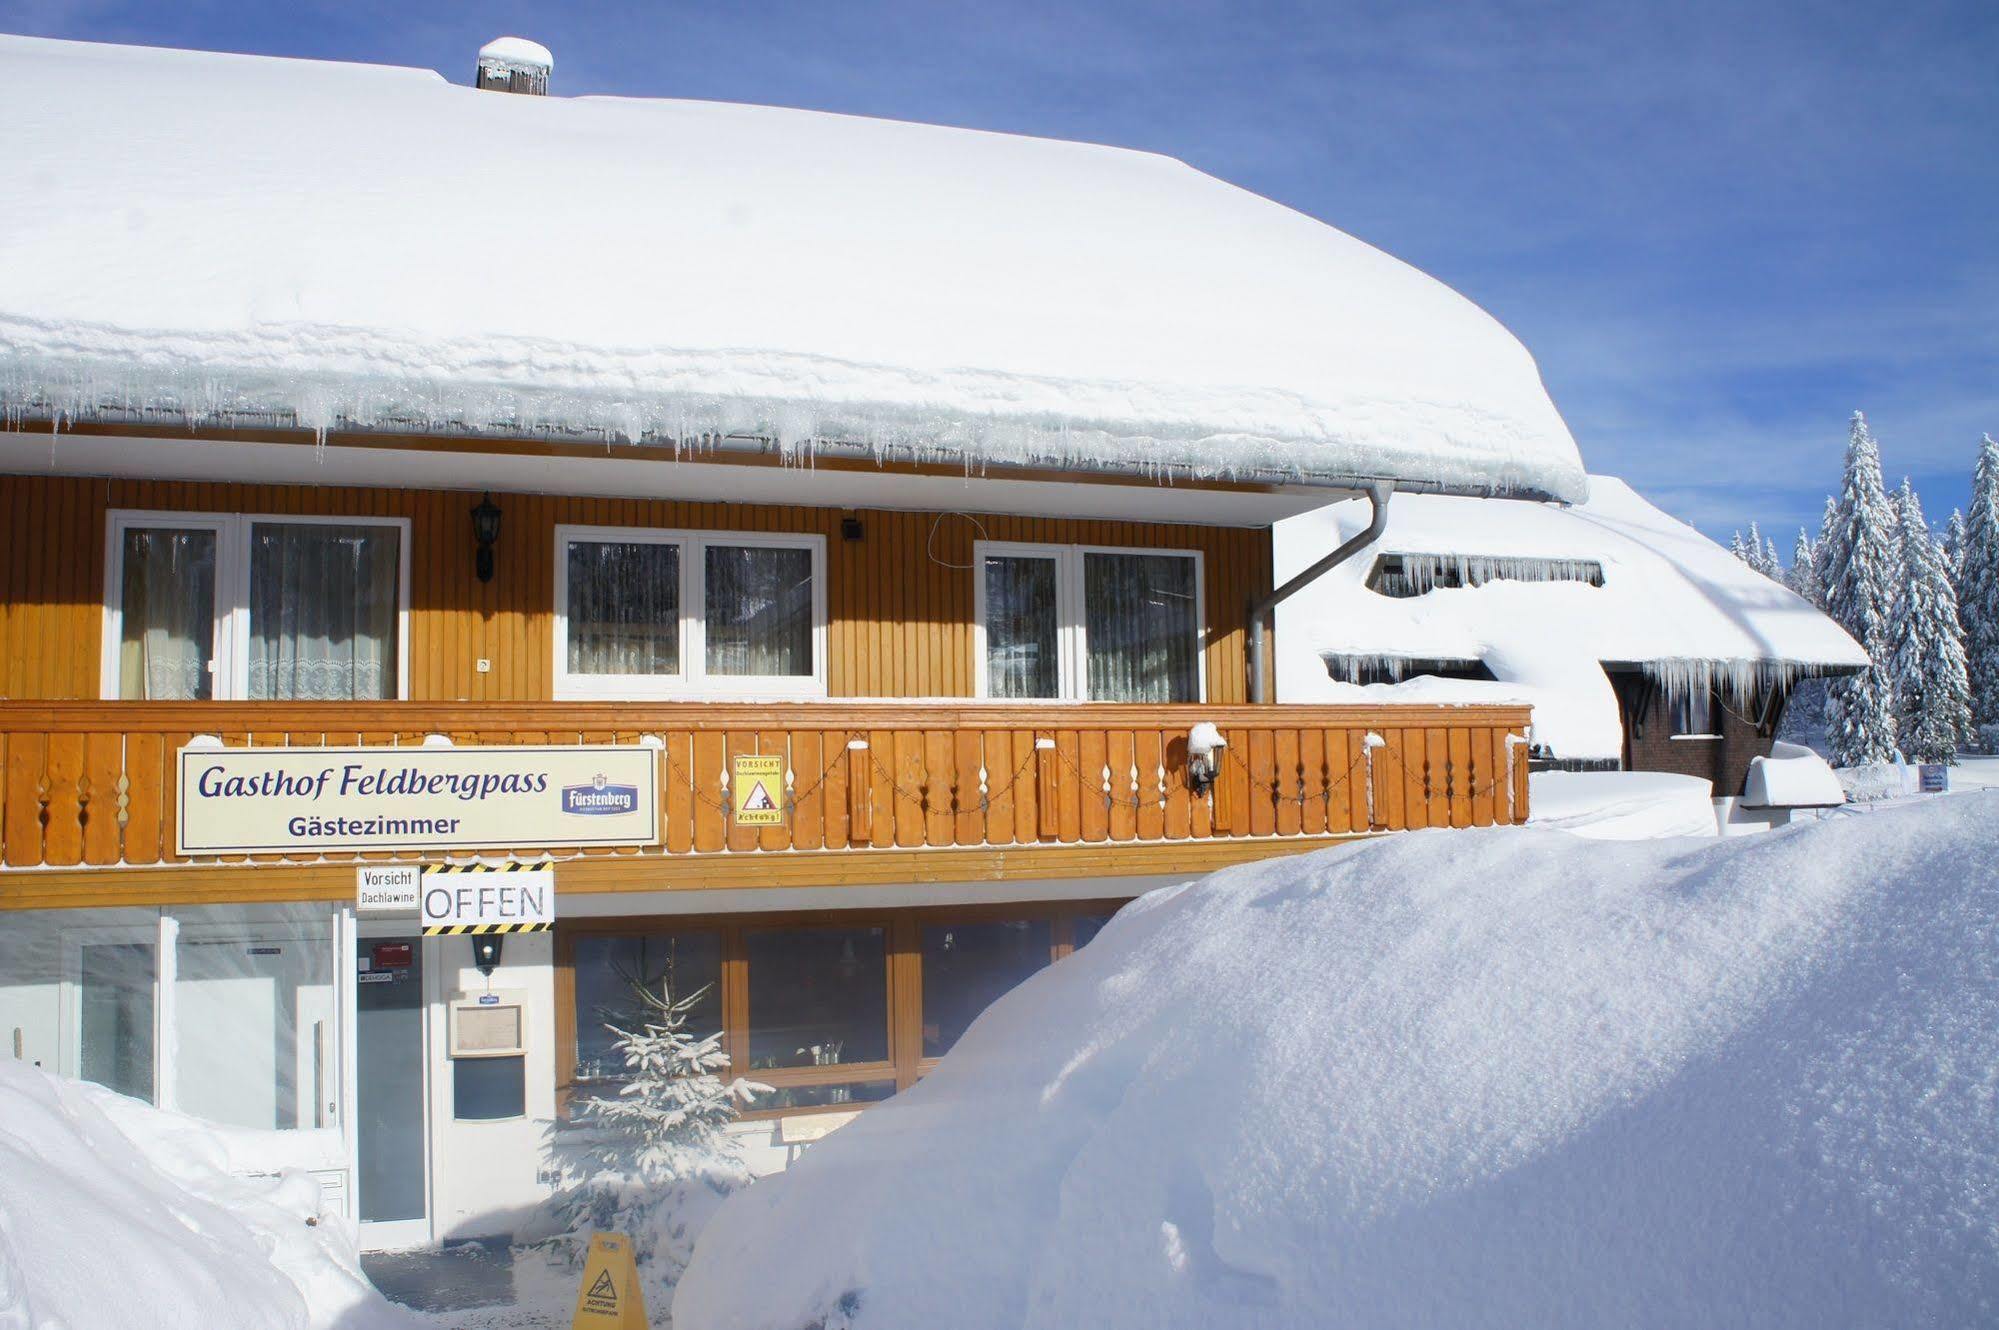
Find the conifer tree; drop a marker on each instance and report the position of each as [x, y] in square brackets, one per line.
[654, 1159]
[1953, 545]
[1932, 695]
[1857, 564]
[1804, 574]
[1738, 546]
[1978, 595]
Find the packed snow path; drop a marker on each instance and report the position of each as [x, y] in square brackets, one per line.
[1451, 1079]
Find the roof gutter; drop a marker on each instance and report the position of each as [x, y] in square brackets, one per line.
[1378, 492]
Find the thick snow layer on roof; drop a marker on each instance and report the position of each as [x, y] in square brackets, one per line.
[1672, 602]
[115, 1214]
[363, 245]
[1454, 1079]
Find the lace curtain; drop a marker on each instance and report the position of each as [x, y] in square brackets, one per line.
[624, 608]
[758, 607]
[1022, 623]
[167, 615]
[1140, 626]
[322, 611]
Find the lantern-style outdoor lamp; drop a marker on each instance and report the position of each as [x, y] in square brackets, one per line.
[486, 532]
[1204, 756]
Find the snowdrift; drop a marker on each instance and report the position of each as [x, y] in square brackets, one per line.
[1452, 1079]
[115, 1215]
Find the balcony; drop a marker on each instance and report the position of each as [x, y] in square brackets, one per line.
[882, 791]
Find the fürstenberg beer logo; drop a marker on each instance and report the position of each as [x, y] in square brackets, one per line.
[600, 797]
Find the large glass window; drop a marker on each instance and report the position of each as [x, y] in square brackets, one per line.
[166, 600]
[1023, 627]
[1141, 628]
[1100, 625]
[647, 613]
[759, 611]
[114, 1000]
[323, 610]
[613, 970]
[818, 997]
[254, 1017]
[226, 606]
[966, 967]
[624, 607]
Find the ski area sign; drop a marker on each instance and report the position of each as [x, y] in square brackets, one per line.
[324, 800]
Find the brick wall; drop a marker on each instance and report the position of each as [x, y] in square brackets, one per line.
[1649, 744]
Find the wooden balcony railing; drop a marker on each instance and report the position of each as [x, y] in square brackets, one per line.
[91, 783]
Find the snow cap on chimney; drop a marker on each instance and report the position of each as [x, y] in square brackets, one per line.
[515, 64]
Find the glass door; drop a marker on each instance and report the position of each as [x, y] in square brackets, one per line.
[390, 1093]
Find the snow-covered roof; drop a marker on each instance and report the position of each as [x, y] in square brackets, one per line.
[241, 239]
[1672, 602]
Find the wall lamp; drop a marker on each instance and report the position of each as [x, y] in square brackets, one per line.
[486, 531]
[1204, 756]
[486, 953]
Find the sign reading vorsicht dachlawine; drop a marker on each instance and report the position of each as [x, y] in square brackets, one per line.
[305, 800]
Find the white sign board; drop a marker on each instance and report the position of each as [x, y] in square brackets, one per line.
[322, 800]
[513, 900]
[386, 888]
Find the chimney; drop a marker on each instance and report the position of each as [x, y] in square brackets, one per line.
[515, 64]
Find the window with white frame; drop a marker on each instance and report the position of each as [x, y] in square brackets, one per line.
[1088, 623]
[1693, 714]
[264, 608]
[648, 613]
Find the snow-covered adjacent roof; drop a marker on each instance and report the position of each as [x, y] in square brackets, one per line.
[1672, 602]
[235, 238]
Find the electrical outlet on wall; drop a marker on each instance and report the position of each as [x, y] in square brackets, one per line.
[484, 666]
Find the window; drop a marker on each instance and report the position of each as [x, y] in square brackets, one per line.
[611, 969]
[831, 1009]
[201, 606]
[1102, 625]
[646, 613]
[1406, 575]
[1693, 715]
[969, 966]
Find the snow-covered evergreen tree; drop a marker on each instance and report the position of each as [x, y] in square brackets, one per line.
[1804, 574]
[1858, 567]
[1773, 563]
[1978, 595]
[1932, 694]
[1738, 546]
[1953, 545]
[653, 1160]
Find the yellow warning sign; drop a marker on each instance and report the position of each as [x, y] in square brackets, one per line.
[609, 1297]
[759, 789]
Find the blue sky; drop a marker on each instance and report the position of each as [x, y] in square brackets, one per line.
[1721, 227]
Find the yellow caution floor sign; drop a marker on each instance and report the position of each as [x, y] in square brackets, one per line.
[609, 1297]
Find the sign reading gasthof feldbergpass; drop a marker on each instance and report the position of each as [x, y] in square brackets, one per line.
[310, 800]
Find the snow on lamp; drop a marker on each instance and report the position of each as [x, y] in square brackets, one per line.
[1205, 743]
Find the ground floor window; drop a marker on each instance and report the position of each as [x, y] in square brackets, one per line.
[831, 1009]
[227, 1013]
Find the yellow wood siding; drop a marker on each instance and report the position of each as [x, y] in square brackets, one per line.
[899, 600]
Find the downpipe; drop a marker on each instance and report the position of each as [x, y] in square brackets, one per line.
[1378, 492]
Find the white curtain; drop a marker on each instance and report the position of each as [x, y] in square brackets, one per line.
[624, 608]
[1141, 629]
[323, 608]
[1022, 624]
[167, 615]
[758, 610]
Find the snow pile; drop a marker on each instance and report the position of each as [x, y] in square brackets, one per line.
[1793, 776]
[1622, 805]
[113, 1214]
[1453, 1078]
[1673, 603]
[361, 246]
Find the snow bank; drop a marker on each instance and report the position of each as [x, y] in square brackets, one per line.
[1621, 805]
[1673, 603]
[222, 237]
[1449, 1079]
[114, 1214]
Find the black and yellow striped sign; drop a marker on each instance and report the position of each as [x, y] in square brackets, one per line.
[456, 902]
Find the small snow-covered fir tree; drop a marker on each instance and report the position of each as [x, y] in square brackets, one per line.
[1803, 577]
[1858, 566]
[653, 1160]
[1978, 595]
[1738, 546]
[1926, 644]
[1953, 545]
